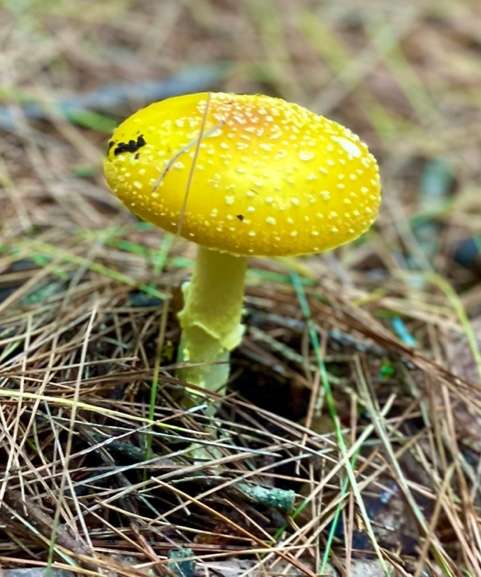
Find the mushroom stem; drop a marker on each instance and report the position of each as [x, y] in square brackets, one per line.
[211, 316]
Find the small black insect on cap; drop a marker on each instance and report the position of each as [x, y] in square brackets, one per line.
[130, 146]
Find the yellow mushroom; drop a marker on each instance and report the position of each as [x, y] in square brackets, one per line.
[239, 175]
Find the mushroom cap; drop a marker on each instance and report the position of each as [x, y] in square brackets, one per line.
[245, 174]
